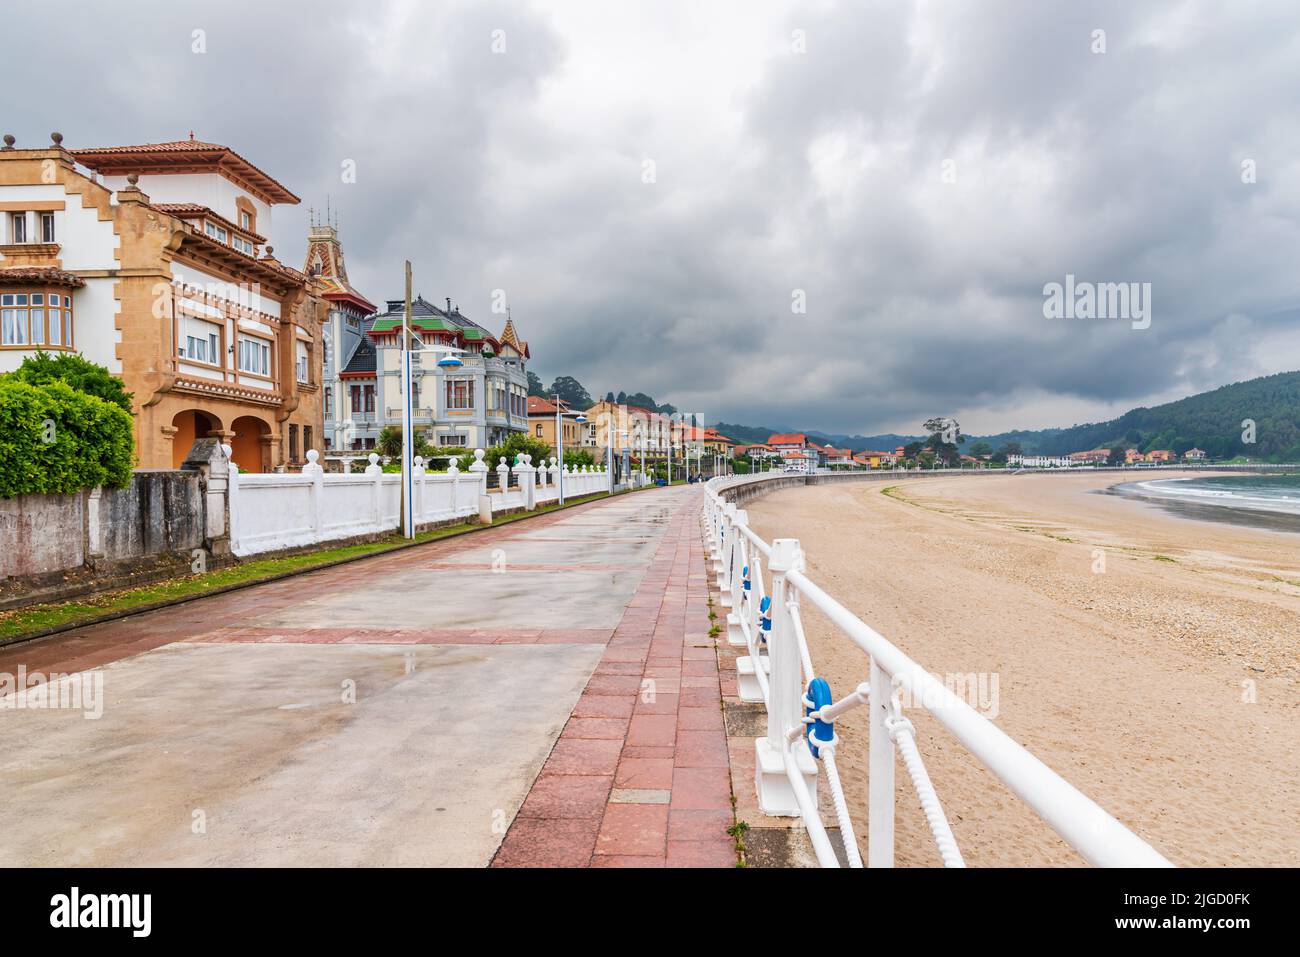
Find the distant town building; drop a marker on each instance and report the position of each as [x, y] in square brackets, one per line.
[1194, 455]
[541, 423]
[1039, 461]
[1091, 457]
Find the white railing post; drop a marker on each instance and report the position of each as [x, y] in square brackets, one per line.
[880, 774]
[232, 499]
[724, 563]
[737, 563]
[776, 794]
[479, 469]
[375, 472]
[418, 477]
[525, 472]
[503, 479]
[317, 476]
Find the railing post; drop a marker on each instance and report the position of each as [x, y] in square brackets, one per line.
[232, 499]
[375, 472]
[737, 566]
[776, 794]
[317, 475]
[419, 477]
[880, 774]
[728, 533]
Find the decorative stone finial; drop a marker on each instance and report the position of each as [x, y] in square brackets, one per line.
[132, 179]
[9, 141]
[270, 252]
[312, 456]
[57, 139]
[419, 461]
[478, 455]
[373, 458]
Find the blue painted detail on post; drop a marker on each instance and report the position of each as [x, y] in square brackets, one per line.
[765, 617]
[744, 573]
[820, 732]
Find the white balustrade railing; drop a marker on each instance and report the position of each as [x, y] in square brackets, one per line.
[800, 743]
[273, 511]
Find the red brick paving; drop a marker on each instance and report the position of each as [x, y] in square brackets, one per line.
[651, 716]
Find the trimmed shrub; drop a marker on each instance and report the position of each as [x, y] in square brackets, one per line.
[54, 439]
[78, 372]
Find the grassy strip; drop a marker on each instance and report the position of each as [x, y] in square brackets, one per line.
[35, 621]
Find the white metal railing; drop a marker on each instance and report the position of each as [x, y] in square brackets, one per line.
[778, 671]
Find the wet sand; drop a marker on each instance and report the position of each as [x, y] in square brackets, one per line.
[1165, 686]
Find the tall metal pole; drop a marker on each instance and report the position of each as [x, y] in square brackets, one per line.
[408, 480]
[559, 445]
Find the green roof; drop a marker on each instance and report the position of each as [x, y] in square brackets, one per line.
[424, 323]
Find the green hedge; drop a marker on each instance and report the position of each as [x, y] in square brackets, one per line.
[54, 439]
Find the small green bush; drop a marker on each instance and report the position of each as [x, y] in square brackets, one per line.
[54, 439]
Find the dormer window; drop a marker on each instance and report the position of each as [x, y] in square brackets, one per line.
[242, 244]
[245, 220]
[215, 231]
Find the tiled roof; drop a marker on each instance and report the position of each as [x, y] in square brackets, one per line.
[538, 405]
[788, 438]
[39, 275]
[363, 359]
[198, 211]
[159, 157]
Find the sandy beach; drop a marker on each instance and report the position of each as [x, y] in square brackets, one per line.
[1166, 686]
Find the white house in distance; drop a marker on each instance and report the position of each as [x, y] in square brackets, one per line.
[475, 405]
[1039, 461]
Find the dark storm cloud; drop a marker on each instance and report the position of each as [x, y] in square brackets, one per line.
[818, 171]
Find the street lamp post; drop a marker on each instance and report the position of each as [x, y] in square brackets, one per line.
[450, 360]
[559, 437]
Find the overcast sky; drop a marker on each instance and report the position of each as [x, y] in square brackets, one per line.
[918, 170]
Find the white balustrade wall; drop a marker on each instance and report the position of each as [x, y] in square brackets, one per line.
[269, 512]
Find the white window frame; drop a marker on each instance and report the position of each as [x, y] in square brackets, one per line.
[254, 356]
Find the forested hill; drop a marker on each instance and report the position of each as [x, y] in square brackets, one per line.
[1211, 421]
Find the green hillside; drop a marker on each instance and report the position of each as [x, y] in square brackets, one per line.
[1211, 421]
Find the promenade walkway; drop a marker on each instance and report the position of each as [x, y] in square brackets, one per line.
[545, 693]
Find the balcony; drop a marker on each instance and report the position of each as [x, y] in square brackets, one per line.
[417, 415]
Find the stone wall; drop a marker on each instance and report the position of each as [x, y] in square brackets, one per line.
[61, 546]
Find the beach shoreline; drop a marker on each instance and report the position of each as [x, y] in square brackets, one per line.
[1151, 660]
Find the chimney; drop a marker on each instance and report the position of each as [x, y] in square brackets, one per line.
[449, 305]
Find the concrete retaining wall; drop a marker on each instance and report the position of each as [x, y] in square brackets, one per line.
[40, 534]
[61, 546]
[159, 512]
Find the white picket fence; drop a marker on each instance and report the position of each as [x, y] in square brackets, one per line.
[269, 512]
